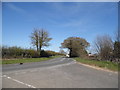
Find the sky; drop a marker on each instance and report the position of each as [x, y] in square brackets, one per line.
[60, 19]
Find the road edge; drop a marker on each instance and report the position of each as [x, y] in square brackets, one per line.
[95, 67]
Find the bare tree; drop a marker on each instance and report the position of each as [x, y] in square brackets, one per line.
[104, 46]
[40, 38]
[117, 45]
[34, 38]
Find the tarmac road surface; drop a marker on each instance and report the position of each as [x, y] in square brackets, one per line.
[56, 73]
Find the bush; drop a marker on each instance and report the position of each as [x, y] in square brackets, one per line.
[45, 54]
[17, 52]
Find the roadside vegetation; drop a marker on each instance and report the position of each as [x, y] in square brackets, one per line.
[76, 46]
[106, 51]
[39, 39]
[102, 64]
[19, 53]
[27, 60]
[12, 55]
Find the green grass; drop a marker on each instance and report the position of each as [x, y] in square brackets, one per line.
[103, 64]
[27, 60]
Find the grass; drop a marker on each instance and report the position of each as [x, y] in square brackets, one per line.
[27, 60]
[103, 64]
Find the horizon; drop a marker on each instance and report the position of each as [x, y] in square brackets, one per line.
[60, 19]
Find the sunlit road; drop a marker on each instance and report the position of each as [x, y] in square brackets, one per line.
[56, 73]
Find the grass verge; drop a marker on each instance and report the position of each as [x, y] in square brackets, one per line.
[27, 60]
[103, 64]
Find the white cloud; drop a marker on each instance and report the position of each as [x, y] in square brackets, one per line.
[15, 8]
[76, 23]
[67, 9]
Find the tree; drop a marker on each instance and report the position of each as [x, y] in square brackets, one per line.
[104, 46]
[34, 38]
[40, 38]
[117, 45]
[18, 52]
[76, 45]
[117, 49]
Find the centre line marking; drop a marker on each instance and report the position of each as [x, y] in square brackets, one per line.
[30, 86]
[62, 59]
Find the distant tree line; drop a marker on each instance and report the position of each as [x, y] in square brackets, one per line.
[18, 52]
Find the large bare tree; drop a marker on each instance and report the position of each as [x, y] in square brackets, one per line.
[104, 46]
[40, 38]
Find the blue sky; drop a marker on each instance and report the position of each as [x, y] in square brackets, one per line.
[60, 19]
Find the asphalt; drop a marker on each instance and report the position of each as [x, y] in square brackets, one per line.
[56, 73]
[52, 62]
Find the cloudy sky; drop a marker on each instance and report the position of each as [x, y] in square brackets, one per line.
[60, 19]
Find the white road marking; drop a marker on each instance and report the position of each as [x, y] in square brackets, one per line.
[73, 59]
[23, 72]
[33, 70]
[20, 73]
[110, 74]
[62, 59]
[30, 86]
[42, 68]
[16, 73]
[60, 65]
[57, 60]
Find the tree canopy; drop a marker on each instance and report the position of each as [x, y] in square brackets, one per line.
[76, 45]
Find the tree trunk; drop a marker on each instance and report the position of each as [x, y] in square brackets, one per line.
[70, 53]
[40, 51]
[37, 48]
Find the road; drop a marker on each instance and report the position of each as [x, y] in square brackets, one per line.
[56, 73]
